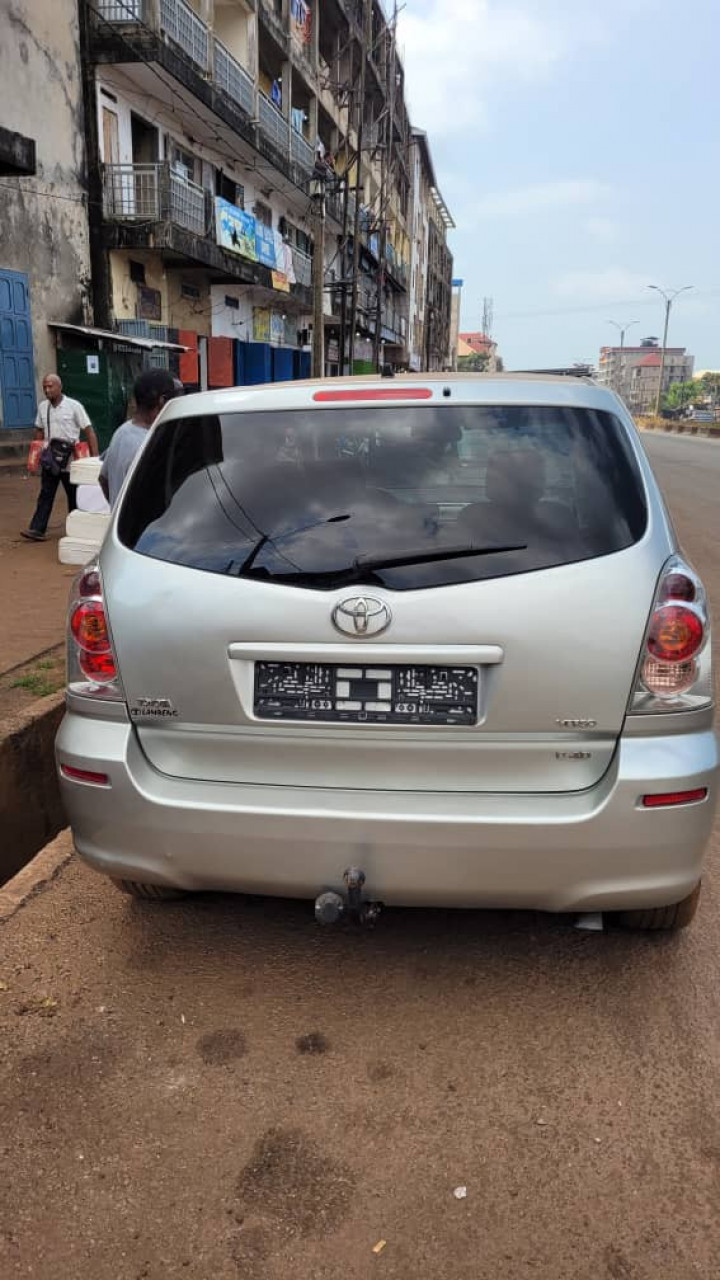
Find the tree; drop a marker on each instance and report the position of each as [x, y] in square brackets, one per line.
[680, 395]
[476, 363]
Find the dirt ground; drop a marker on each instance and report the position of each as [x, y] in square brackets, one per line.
[33, 585]
[217, 1089]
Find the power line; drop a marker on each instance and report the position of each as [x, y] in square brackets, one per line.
[596, 306]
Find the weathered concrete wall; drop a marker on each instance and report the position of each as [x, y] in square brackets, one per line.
[44, 218]
[31, 811]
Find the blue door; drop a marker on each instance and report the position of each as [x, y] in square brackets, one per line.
[258, 363]
[17, 366]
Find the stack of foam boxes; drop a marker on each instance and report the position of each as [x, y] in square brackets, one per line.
[86, 526]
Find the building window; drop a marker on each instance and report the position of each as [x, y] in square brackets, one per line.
[263, 213]
[232, 303]
[189, 291]
[229, 189]
[137, 272]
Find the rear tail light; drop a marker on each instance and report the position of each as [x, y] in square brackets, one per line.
[675, 667]
[92, 668]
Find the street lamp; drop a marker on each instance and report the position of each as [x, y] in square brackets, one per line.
[669, 295]
[623, 328]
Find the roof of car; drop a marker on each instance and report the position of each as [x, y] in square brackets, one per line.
[491, 388]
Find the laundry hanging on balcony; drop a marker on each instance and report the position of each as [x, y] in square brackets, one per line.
[301, 15]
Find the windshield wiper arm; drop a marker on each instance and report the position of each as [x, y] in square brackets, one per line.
[266, 538]
[428, 557]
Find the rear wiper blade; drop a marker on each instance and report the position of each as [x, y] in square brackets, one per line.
[428, 557]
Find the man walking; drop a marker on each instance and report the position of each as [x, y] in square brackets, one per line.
[60, 422]
[151, 392]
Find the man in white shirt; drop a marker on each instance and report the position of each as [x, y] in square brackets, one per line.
[60, 422]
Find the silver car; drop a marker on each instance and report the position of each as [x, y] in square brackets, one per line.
[415, 641]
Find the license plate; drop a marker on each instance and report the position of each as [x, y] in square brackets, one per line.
[366, 694]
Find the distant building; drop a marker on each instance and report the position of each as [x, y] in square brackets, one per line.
[634, 372]
[479, 344]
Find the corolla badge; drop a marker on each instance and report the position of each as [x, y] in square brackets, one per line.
[361, 616]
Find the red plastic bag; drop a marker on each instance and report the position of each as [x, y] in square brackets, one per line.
[33, 462]
[82, 450]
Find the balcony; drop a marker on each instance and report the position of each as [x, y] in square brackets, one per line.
[233, 79]
[273, 124]
[121, 10]
[302, 263]
[153, 193]
[301, 151]
[150, 207]
[182, 25]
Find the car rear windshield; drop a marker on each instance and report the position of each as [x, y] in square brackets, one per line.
[398, 496]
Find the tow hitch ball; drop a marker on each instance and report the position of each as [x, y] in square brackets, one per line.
[331, 907]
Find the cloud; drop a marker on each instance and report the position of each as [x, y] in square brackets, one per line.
[454, 51]
[609, 284]
[539, 196]
[602, 230]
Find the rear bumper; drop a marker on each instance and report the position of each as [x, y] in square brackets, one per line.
[592, 850]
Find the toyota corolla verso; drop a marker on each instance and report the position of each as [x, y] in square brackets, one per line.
[415, 641]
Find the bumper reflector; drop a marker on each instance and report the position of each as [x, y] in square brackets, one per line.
[84, 775]
[667, 799]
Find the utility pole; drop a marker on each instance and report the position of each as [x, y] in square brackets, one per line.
[669, 295]
[364, 47]
[385, 187]
[622, 328]
[317, 188]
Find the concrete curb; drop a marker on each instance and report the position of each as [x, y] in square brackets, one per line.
[31, 811]
[36, 876]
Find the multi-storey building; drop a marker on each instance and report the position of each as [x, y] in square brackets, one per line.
[44, 251]
[430, 300]
[188, 144]
[634, 372]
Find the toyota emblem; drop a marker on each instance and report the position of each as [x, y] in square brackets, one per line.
[361, 616]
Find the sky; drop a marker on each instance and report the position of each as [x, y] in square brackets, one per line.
[577, 146]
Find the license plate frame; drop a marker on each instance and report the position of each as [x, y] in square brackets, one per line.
[361, 693]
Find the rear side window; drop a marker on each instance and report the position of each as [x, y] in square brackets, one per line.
[403, 497]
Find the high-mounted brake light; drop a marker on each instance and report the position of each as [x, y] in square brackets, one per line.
[373, 393]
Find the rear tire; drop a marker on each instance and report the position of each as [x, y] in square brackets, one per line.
[677, 916]
[149, 892]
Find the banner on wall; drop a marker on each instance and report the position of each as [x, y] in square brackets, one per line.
[235, 230]
[265, 245]
[280, 282]
[261, 324]
[277, 328]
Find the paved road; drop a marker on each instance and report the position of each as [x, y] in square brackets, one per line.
[222, 1092]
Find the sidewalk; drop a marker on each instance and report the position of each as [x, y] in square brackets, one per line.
[33, 585]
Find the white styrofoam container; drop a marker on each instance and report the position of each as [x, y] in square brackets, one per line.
[77, 550]
[85, 470]
[87, 525]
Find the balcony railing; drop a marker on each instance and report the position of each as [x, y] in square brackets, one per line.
[182, 25]
[273, 123]
[132, 192]
[301, 151]
[121, 10]
[303, 267]
[152, 193]
[234, 79]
